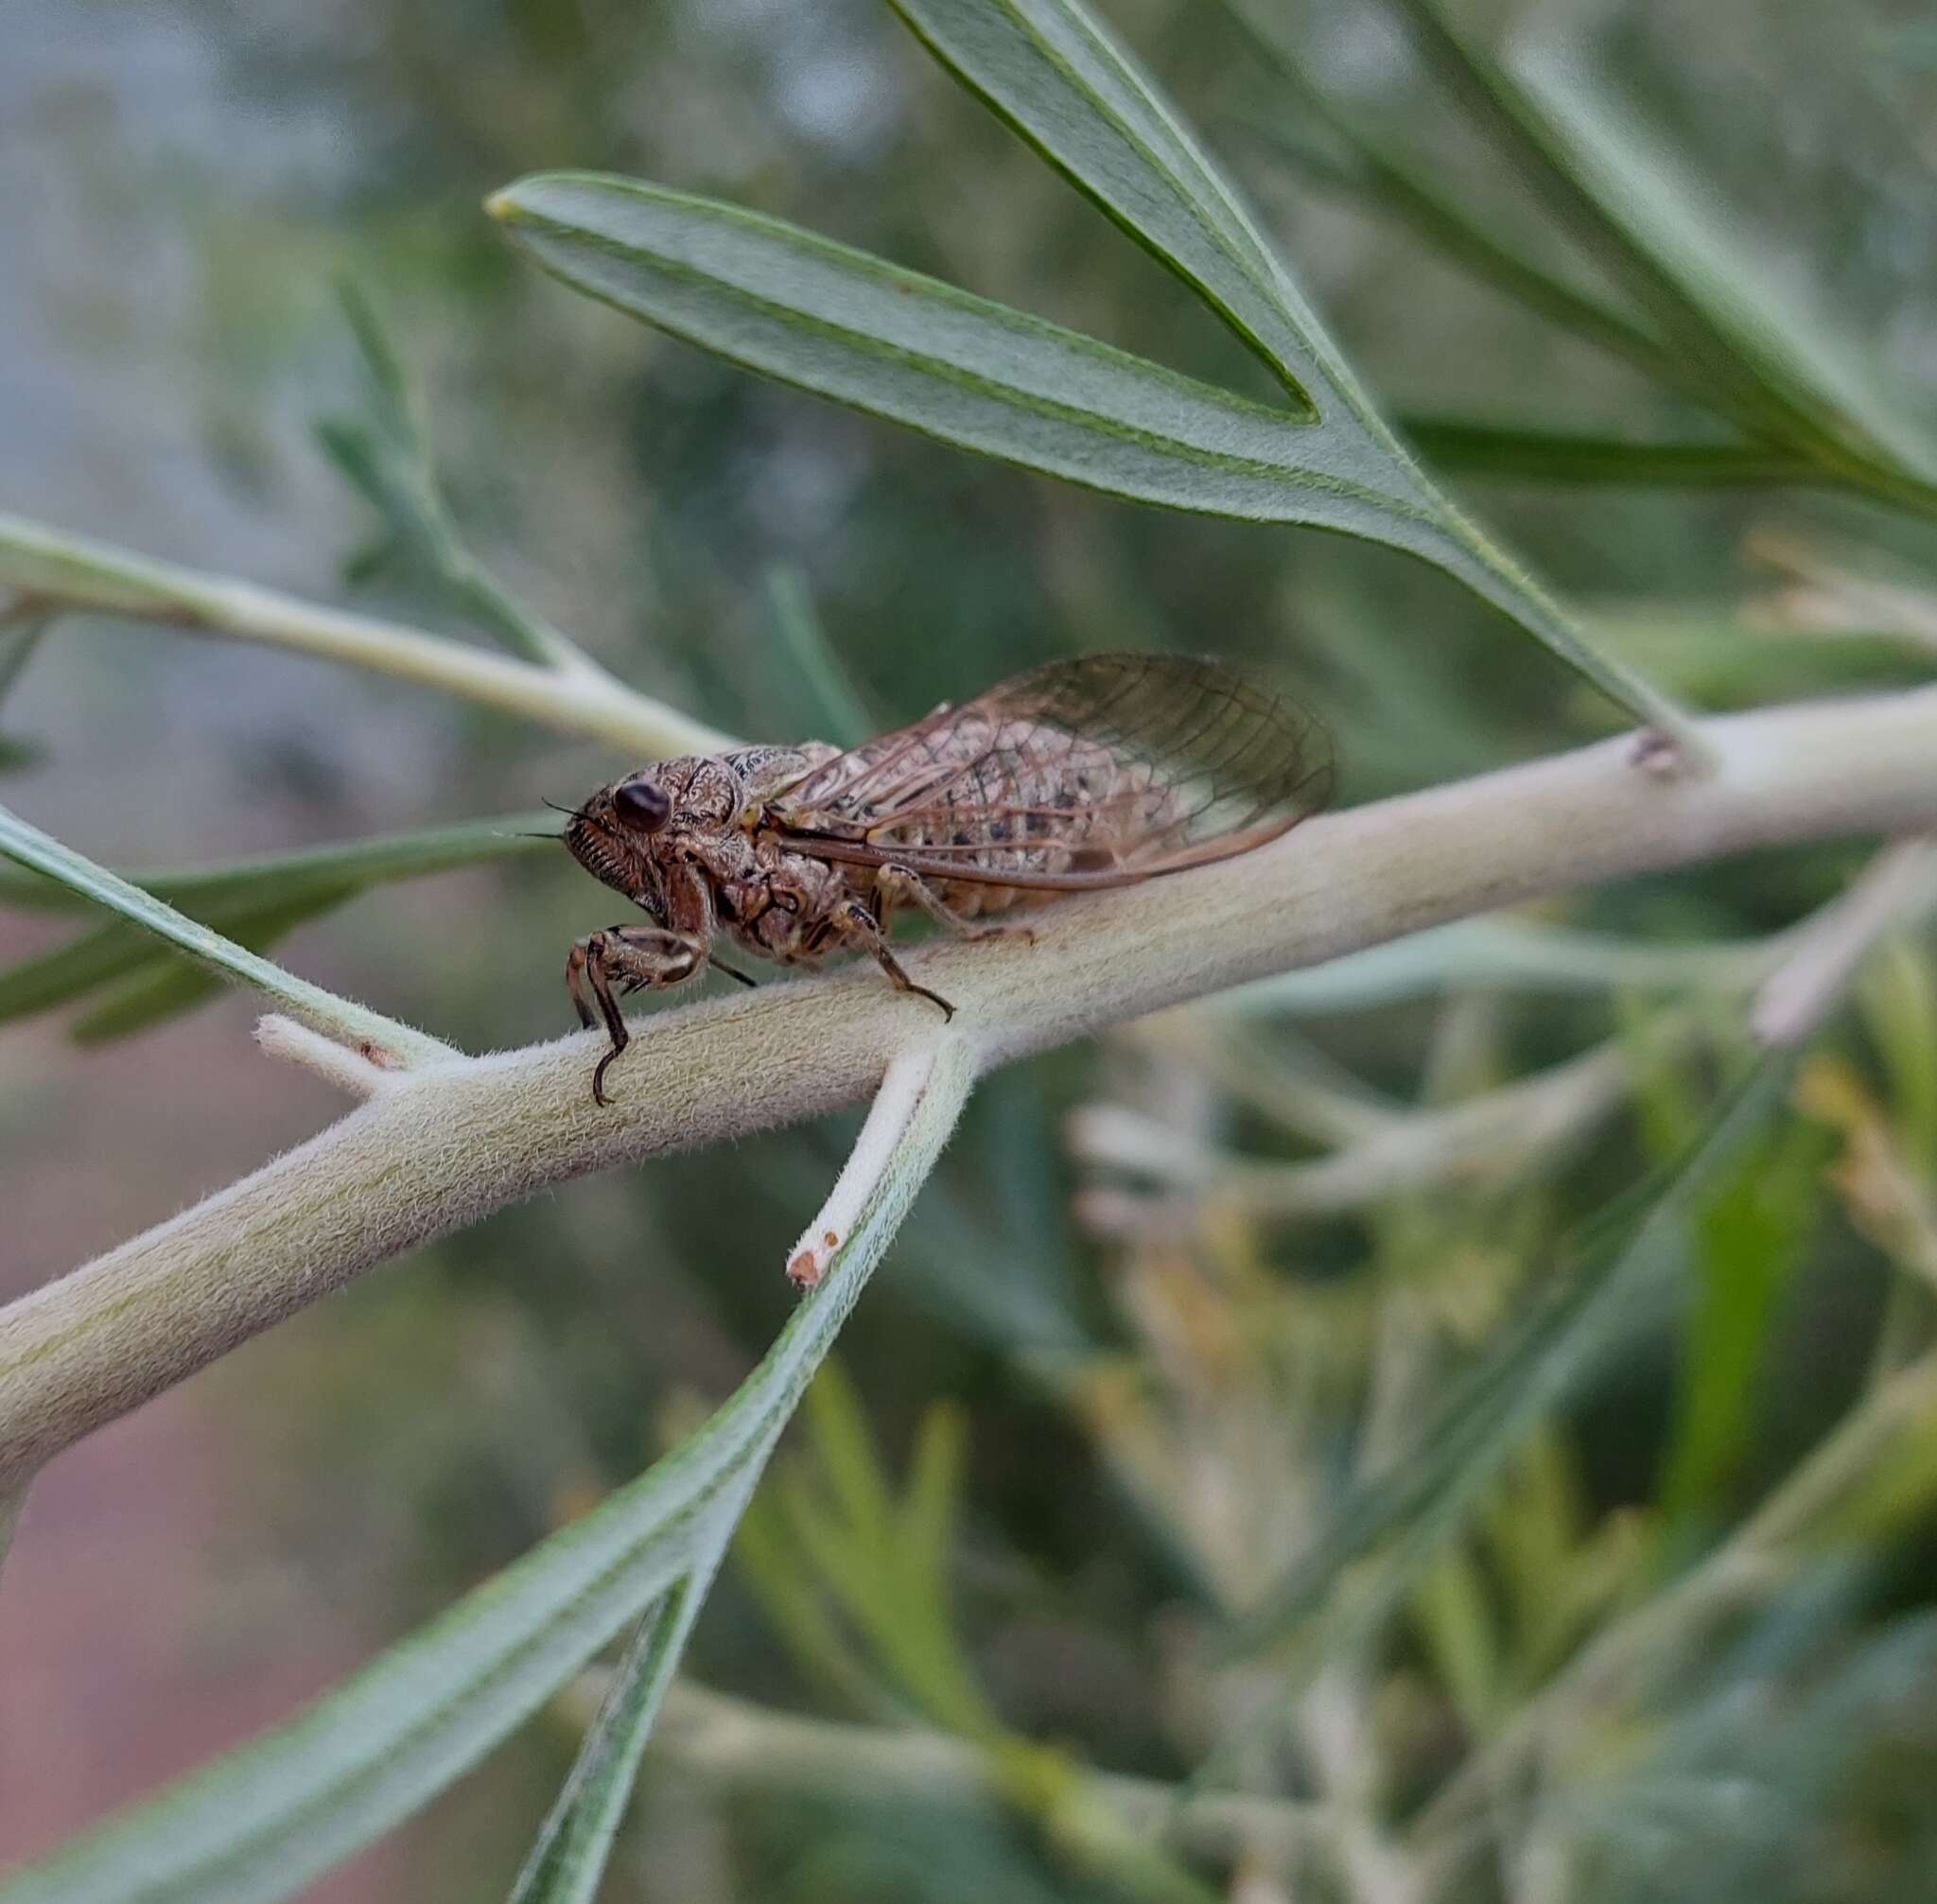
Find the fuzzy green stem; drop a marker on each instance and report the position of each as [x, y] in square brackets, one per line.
[440, 1147]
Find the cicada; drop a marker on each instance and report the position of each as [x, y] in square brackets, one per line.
[1101, 771]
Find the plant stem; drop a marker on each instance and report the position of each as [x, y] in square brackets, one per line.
[746, 1747]
[443, 1146]
[72, 572]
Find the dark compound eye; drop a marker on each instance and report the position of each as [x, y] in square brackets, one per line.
[642, 803]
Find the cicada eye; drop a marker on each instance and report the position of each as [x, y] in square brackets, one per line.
[642, 803]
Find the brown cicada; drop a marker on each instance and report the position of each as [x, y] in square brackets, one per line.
[1084, 774]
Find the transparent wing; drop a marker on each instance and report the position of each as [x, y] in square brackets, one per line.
[1097, 771]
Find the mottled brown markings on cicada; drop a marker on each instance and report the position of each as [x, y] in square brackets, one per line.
[1101, 771]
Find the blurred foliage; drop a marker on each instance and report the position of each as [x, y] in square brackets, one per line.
[1648, 1622]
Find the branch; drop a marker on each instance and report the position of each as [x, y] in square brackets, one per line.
[65, 572]
[747, 1748]
[438, 1148]
[1895, 891]
[1487, 1139]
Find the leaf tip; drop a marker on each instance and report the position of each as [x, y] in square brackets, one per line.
[503, 205]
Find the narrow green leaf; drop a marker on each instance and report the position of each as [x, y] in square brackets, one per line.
[119, 952]
[1057, 74]
[789, 1595]
[782, 301]
[18, 640]
[272, 879]
[1378, 173]
[388, 461]
[339, 1017]
[567, 1859]
[776, 299]
[1898, 997]
[1774, 368]
[89, 959]
[391, 383]
[1748, 1241]
[262, 1822]
[934, 1481]
[843, 715]
[1458, 1625]
[845, 1450]
[11, 1501]
[1501, 452]
[1714, 290]
[1626, 1270]
[167, 986]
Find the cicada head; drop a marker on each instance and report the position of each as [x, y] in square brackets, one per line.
[627, 833]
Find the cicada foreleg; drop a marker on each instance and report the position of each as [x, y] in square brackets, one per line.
[630, 956]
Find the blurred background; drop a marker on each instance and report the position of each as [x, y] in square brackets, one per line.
[1138, 1396]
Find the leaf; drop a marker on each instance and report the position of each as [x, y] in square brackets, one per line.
[849, 1460]
[1387, 177]
[1502, 453]
[1713, 290]
[1750, 1242]
[793, 306]
[167, 986]
[1055, 73]
[568, 1857]
[339, 1017]
[253, 902]
[387, 460]
[11, 1501]
[1614, 190]
[934, 1483]
[91, 959]
[18, 640]
[842, 715]
[262, 1822]
[1627, 1263]
[798, 308]
[273, 878]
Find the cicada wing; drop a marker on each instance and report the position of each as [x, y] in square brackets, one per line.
[1096, 771]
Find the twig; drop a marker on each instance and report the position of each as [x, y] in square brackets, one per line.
[876, 1152]
[385, 1042]
[75, 573]
[1491, 1136]
[1500, 954]
[1897, 888]
[746, 1747]
[1836, 597]
[450, 1143]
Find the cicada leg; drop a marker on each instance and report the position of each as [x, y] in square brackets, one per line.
[633, 956]
[895, 885]
[855, 921]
